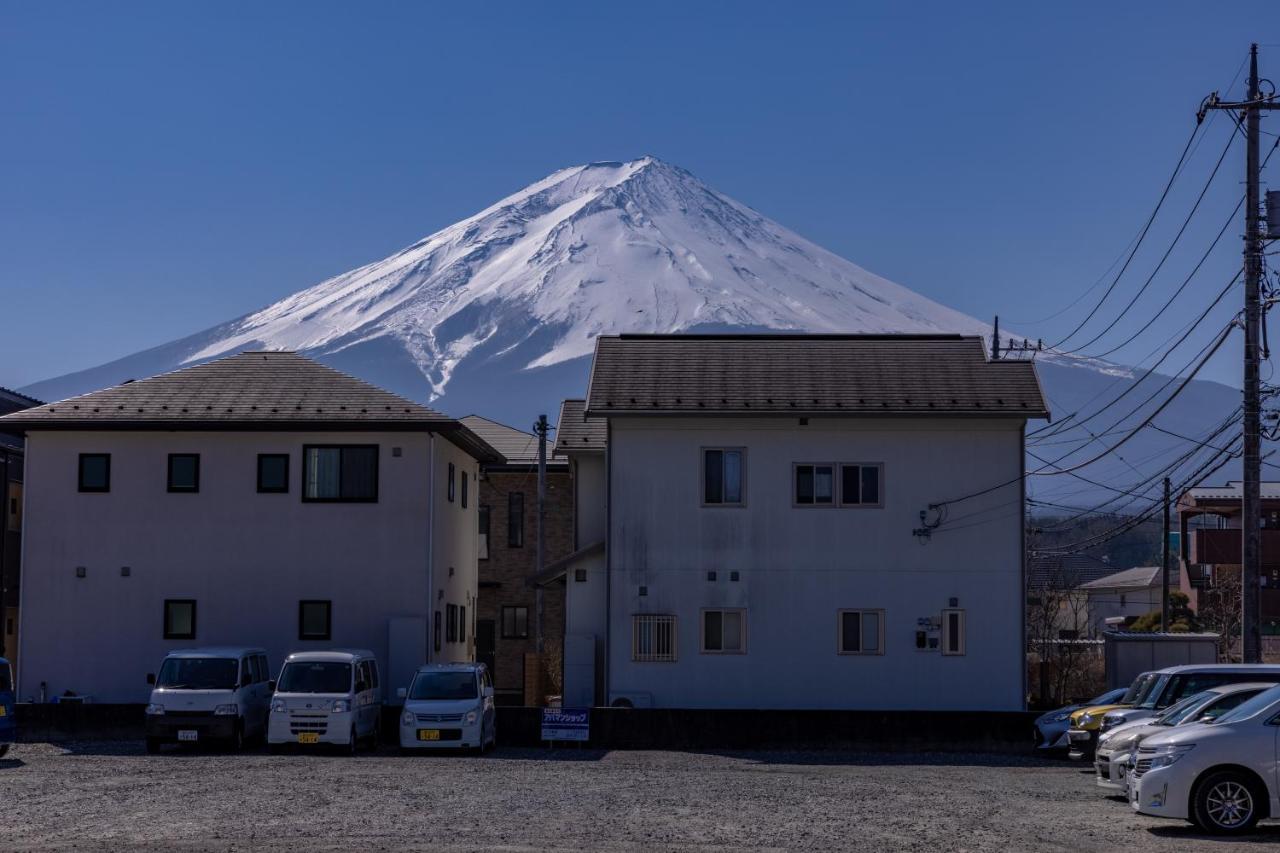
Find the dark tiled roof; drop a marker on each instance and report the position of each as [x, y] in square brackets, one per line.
[578, 432]
[1066, 571]
[12, 401]
[782, 374]
[519, 448]
[252, 390]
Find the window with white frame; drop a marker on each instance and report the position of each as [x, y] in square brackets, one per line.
[724, 632]
[862, 484]
[860, 632]
[653, 637]
[722, 476]
[815, 485]
[953, 632]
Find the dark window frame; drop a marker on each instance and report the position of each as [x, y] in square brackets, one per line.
[168, 635]
[465, 488]
[80, 474]
[483, 515]
[451, 623]
[328, 619]
[182, 490]
[263, 490]
[452, 477]
[861, 466]
[813, 502]
[377, 461]
[705, 647]
[704, 497]
[515, 521]
[515, 612]
[862, 613]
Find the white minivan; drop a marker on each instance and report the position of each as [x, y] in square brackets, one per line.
[331, 697]
[218, 694]
[450, 706]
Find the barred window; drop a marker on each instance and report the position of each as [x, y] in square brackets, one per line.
[653, 637]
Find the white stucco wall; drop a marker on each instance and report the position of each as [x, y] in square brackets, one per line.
[456, 547]
[247, 558]
[799, 566]
[589, 506]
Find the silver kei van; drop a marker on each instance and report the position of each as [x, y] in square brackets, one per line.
[218, 693]
[330, 697]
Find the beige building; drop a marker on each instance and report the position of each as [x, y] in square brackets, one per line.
[257, 500]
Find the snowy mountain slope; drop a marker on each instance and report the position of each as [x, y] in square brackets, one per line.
[497, 313]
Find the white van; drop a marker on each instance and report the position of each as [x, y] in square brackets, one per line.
[216, 694]
[329, 697]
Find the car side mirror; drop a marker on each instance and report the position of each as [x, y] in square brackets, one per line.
[402, 692]
[488, 692]
[151, 678]
[271, 685]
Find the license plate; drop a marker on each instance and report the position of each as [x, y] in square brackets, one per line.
[3, 710]
[188, 734]
[309, 737]
[428, 734]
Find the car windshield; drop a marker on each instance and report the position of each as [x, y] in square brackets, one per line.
[1179, 711]
[1151, 694]
[1137, 690]
[198, 674]
[315, 677]
[444, 686]
[1111, 696]
[6, 679]
[1245, 710]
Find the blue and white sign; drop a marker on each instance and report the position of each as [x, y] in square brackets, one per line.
[566, 724]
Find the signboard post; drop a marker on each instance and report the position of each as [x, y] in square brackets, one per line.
[566, 724]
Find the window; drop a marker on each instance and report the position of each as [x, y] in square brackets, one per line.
[653, 638]
[515, 623]
[815, 485]
[315, 620]
[724, 632]
[462, 624]
[484, 532]
[340, 473]
[95, 472]
[180, 619]
[184, 472]
[860, 632]
[722, 477]
[451, 474]
[464, 489]
[860, 484]
[273, 473]
[451, 629]
[515, 520]
[437, 630]
[953, 632]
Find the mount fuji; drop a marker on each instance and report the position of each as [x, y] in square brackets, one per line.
[497, 314]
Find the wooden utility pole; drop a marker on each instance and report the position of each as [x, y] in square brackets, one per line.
[1164, 581]
[1250, 110]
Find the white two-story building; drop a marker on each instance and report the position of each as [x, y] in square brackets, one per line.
[797, 521]
[257, 500]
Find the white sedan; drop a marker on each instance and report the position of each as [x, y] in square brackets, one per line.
[1220, 775]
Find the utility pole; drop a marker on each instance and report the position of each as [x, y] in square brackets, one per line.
[541, 428]
[1164, 582]
[1251, 505]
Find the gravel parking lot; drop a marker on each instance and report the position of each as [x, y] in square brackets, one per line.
[113, 796]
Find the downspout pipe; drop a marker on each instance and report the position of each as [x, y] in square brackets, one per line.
[431, 548]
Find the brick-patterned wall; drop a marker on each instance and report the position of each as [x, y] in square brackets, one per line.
[509, 568]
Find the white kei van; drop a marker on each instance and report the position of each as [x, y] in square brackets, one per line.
[220, 694]
[331, 697]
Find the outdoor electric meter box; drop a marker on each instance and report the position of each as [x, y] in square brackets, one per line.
[928, 634]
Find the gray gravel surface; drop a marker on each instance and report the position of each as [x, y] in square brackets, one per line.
[113, 796]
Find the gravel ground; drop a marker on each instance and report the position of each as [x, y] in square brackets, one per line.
[113, 796]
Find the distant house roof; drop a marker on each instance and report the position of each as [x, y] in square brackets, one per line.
[1065, 571]
[577, 432]
[781, 374]
[1143, 577]
[518, 448]
[249, 391]
[1231, 493]
[12, 401]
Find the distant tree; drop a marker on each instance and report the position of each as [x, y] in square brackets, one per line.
[1181, 617]
[1221, 611]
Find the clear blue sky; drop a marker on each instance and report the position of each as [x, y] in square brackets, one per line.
[168, 166]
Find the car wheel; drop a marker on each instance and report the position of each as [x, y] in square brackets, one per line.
[4, 749]
[1226, 803]
[153, 745]
[275, 748]
[353, 742]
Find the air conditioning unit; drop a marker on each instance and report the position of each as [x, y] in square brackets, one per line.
[630, 700]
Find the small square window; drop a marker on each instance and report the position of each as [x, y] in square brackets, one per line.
[579, 575]
[724, 632]
[722, 476]
[860, 632]
[95, 472]
[315, 620]
[515, 623]
[273, 473]
[860, 484]
[184, 472]
[814, 485]
[179, 619]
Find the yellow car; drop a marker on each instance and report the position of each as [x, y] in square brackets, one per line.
[1083, 734]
